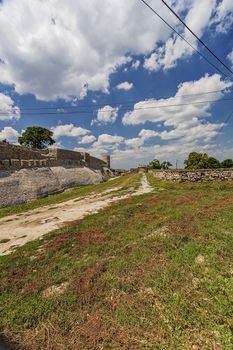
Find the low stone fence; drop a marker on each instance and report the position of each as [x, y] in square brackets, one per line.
[194, 175]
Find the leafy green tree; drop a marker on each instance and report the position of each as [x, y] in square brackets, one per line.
[165, 165]
[36, 137]
[196, 161]
[154, 164]
[227, 163]
[213, 163]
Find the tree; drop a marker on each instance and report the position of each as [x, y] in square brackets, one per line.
[36, 137]
[196, 161]
[213, 163]
[155, 164]
[227, 163]
[165, 165]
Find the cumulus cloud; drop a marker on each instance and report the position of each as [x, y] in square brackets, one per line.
[166, 55]
[55, 53]
[68, 130]
[146, 134]
[87, 139]
[105, 144]
[154, 110]
[10, 134]
[135, 64]
[106, 115]
[224, 16]
[143, 136]
[8, 111]
[127, 158]
[185, 128]
[134, 142]
[125, 86]
[110, 139]
[230, 57]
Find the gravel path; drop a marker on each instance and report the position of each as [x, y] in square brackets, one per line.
[31, 225]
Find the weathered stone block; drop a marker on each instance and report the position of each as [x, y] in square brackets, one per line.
[15, 163]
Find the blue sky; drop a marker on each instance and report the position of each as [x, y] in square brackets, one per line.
[102, 74]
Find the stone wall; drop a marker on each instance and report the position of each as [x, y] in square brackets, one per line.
[194, 175]
[17, 157]
[28, 184]
[8, 152]
[26, 174]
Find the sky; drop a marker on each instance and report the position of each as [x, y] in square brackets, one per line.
[109, 77]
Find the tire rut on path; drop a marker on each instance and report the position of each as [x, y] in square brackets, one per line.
[31, 225]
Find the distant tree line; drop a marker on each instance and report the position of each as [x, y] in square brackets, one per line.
[203, 161]
[155, 164]
[195, 161]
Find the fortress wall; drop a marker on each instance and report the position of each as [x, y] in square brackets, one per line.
[17, 157]
[18, 152]
[28, 184]
[96, 163]
[26, 174]
[194, 175]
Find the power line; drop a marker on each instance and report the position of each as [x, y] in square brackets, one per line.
[113, 103]
[201, 41]
[135, 109]
[183, 38]
[229, 116]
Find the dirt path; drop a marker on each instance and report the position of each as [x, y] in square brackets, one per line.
[22, 228]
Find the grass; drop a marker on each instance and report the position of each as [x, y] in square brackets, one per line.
[4, 240]
[124, 181]
[151, 272]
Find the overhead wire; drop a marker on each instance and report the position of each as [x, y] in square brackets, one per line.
[135, 109]
[199, 39]
[129, 102]
[228, 118]
[183, 38]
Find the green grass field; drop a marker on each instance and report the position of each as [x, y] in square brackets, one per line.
[151, 272]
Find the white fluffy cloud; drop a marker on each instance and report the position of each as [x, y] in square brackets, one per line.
[68, 130]
[106, 115]
[105, 144]
[10, 134]
[125, 86]
[87, 139]
[55, 53]
[135, 64]
[230, 57]
[8, 111]
[127, 158]
[224, 16]
[110, 139]
[186, 127]
[153, 110]
[143, 136]
[146, 134]
[167, 54]
[62, 48]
